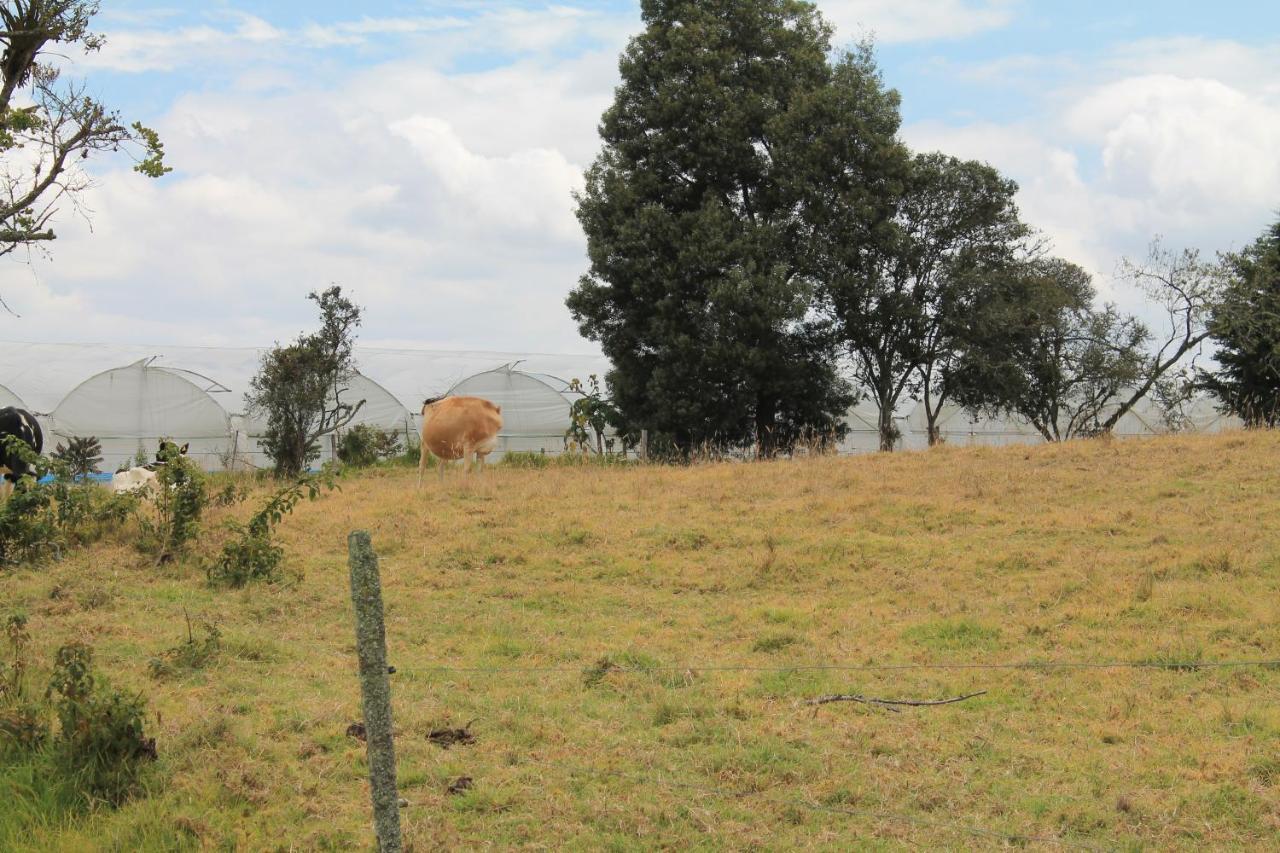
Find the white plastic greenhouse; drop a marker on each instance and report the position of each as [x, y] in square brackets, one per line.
[535, 407]
[963, 429]
[128, 409]
[863, 430]
[8, 398]
[131, 396]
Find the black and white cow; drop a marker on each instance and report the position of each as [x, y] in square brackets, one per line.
[20, 424]
[141, 479]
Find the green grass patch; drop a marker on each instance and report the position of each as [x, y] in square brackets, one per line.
[953, 635]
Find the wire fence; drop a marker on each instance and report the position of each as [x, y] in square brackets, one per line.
[669, 780]
[1176, 665]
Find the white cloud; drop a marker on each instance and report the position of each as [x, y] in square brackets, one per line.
[439, 40]
[140, 50]
[1176, 137]
[347, 33]
[441, 201]
[916, 20]
[526, 190]
[1191, 146]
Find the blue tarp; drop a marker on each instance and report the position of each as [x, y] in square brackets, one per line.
[97, 478]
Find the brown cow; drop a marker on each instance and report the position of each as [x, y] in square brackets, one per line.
[458, 428]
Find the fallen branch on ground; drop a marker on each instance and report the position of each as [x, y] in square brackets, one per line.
[889, 703]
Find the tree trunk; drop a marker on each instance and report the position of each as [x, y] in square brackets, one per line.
[766, 422]
[888, 429]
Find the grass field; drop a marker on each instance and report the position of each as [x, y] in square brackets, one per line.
[1164, 551]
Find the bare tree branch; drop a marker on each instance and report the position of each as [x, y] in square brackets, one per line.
[889, 703]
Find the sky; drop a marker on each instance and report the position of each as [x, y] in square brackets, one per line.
[423, 154]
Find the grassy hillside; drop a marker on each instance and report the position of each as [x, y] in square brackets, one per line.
[1161, 551]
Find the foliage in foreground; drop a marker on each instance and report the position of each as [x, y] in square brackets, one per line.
[48, 127]
[83, 740]
[38, 521]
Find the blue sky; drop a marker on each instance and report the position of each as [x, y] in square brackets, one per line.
[423, 153]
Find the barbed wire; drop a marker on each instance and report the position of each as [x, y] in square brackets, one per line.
[1189, 665]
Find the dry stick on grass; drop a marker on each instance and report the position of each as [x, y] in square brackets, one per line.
[888, 704]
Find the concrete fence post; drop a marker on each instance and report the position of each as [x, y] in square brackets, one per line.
[375, 689]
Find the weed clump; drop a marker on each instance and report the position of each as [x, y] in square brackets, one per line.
[774, 643]
[188, 656]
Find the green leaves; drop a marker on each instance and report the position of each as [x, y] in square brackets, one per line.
[696, 290]
[1246, 328]
[1036, 346]
[300, 387]
[152, 164]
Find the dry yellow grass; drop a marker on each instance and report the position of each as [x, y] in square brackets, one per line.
[1159, 551]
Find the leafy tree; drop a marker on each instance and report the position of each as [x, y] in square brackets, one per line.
[1036, 347]
[697, 289]
[894, 284]
[299, 388]
[49, 127]
[1246, 328]
[83, 455]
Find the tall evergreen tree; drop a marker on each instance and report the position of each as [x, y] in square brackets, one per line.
[1246, 328]
[697, 288]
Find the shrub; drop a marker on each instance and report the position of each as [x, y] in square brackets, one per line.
[189, 655]
[230, 494]
[364, 445]
[13, 671]
[252, 555]
[99, 748]
[179, 500]
[38, 520]
[100, 742]
[28, 525]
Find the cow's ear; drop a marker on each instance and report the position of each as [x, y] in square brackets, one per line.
[183, 449]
